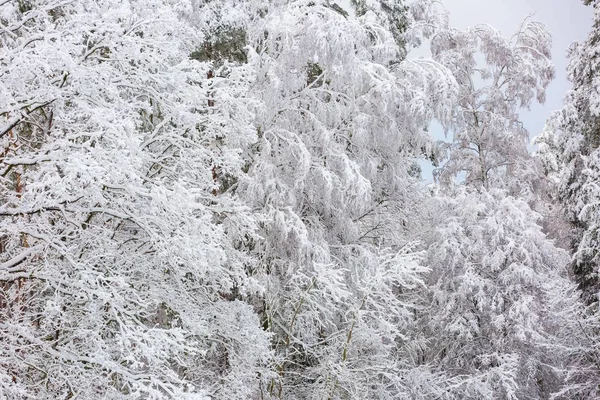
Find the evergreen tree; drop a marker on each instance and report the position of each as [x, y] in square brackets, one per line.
[570, 153]
[572, 156]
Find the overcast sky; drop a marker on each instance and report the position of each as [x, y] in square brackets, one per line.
[568, 20]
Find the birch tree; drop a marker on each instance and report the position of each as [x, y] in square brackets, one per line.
[497, 77]
[491, 322]
[342, 118]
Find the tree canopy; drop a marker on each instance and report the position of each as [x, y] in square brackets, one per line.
[223, 200]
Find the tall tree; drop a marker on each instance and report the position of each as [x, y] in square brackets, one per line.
[572, 156]
[570, 153]
[120, 257]
[342, 117]
[490, 323]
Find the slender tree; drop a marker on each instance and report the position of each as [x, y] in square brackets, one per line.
[491, 321]
[489, 142]
[342, 118]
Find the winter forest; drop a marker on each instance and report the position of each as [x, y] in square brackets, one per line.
[224, 199]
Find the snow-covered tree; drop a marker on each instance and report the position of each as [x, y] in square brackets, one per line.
[122, 270]
[220, 199]
[497, 77]
[570, 153]
[341, 118]
[572, 156]
[491, 324]
[492, 320]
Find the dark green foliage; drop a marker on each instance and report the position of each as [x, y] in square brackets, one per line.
[226, 44]
[583, 71]
[339, 9]
[313, 73]
[24, 6]
[396, 13]
[360, 7]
